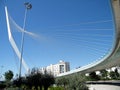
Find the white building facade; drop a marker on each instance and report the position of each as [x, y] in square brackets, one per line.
[57, 69]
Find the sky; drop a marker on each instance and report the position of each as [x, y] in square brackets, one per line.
[75, 31]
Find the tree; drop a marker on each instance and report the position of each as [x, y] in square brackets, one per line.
[37, 79]
[104, 74]
[77, 82]
[114, 74]
[8, 75]
[62, 81]
[47, 80]
[34, 79]
[2, 85]
[19, 81]
[93, 76]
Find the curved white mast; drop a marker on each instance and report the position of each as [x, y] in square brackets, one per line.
[12, 41]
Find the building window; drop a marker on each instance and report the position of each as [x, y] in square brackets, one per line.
[61, 68]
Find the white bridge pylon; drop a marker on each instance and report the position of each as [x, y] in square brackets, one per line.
[12, 41]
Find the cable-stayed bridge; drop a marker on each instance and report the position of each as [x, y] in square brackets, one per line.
[113, 57]
[109, 60]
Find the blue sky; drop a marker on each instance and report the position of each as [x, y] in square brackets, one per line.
[77, 31]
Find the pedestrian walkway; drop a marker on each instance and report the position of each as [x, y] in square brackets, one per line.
[103, 87]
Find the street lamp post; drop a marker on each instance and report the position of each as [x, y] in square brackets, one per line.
[28, 6]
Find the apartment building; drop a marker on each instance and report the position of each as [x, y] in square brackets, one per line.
[57, 69]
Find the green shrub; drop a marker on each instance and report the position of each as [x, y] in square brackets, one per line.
[2, 86]
[55, 88]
